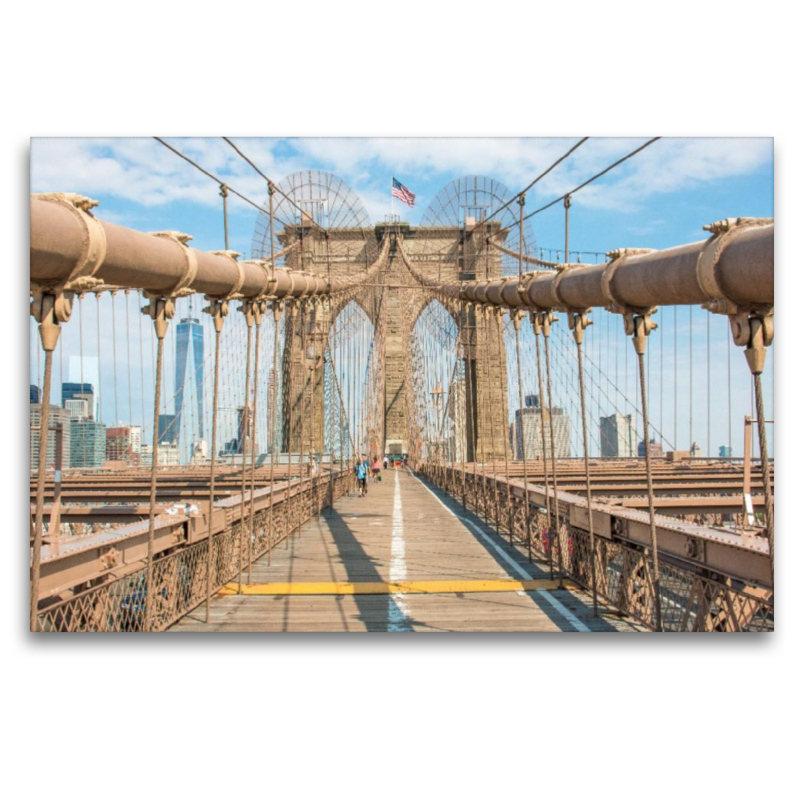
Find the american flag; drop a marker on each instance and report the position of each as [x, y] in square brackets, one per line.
[400, 191]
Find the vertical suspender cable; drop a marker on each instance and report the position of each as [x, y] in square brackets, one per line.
[272, 417]
[730, 433]
[116, 419]
[258, 314]
[691, 385]
[465, 360]
[580, 322]
[641, 330]
[536, 320]
[288, 341]
[141, 372]
[312, 439]
[218, 309]
[99, 365]
[554, 541]
[493, 408]
[130, 382]
[502, 362]
[490, 411]
[303, 382]
[247, 309]
[765, 471]
[218, 322]
[661, 386]
[44, 421]
[708, 385]
[159, 316]
[516, 320]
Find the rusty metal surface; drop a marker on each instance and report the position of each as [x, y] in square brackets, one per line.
[736, 555]
[158, 263]
[668, 277]
[711, 580]
[99, 585]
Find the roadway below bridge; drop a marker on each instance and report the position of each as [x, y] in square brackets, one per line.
[405, 558]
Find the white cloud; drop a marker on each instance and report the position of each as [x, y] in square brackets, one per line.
[145, 172]
[666, 166]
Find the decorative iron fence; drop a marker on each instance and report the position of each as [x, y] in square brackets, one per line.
[692, 599]
[179, 579]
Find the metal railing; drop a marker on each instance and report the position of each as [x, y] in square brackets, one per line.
[692, 598]
[179, 578]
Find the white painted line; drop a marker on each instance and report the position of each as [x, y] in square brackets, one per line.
[505, 556]
[398, 620]
[499, 550]
[397, 566]
[554, 602]
[564, 611]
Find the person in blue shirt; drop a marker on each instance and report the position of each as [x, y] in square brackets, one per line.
[362, 468]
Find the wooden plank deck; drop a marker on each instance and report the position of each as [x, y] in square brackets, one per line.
[409, 533]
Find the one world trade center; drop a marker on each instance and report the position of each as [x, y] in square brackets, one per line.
[189, 336]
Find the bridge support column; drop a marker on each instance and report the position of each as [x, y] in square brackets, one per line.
[304, 379]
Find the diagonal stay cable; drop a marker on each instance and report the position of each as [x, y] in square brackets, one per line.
[534, 181]
[269, 180]
[213, 177]
[529, 186]
[591, 180]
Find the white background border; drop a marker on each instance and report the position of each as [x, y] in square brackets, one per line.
[403, 717]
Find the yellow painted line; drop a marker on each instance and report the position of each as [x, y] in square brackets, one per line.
[395, 587]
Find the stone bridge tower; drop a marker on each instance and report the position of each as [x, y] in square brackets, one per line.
[321, 227]
[448, 253]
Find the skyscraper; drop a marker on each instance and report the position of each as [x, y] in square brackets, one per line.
[118, 444]
[78, 407]
[529, 428]
[617, 436]
[86, 369]
[88, 445]
[189, 335]
[136, 444]
[168, 455]
[78, 391]
[167, 429]
[34, 394]
[58, 418]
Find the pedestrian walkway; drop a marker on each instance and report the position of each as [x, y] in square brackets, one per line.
[404, 558]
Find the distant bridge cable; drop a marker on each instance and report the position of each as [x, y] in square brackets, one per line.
[535, 180]
[268, 179]
[216, 179]
[591, 180]
[526, 189]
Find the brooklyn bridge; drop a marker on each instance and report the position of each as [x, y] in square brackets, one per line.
[518, 409]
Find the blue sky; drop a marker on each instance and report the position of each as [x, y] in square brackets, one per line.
[660, 198]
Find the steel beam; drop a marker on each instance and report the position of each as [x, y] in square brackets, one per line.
[744, 272]
[61, 235]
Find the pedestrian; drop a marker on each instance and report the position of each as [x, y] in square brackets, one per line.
[386, 462]
[376, 469]
[361, 473]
